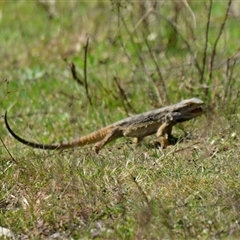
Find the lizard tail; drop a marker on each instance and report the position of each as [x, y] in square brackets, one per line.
[85, 140]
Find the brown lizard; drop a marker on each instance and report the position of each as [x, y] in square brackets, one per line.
[159, 121]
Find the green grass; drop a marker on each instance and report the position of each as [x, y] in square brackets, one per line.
[187, 191]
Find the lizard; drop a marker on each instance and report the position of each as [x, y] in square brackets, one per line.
[159, 121]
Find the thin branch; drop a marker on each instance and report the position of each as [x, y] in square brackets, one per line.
[72, 68]
[229, 78]
[7, 92]
[123, 96]
[206, 42]
[217, 39]
[85, 72]
[140, 189]
[13, 159]
[161, 80]
[142, 61]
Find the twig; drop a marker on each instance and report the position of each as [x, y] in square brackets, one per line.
[161, 98]
[229, 82]
[206, 42]
[13, 159]
[161, 80]
[141, 191]
[72, 68]
[7, 92]
[85, 72]
[124, 97]
[217, 39]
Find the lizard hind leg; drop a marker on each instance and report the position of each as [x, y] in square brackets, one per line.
[111, 136]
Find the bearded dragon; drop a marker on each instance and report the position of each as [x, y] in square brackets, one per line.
[159, 121]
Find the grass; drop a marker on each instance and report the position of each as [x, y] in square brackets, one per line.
[139, 57]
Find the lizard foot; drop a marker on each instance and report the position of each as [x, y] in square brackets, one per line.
[96, 149]
[164, 142]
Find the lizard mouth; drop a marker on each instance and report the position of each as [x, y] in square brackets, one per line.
[197, 110]
[190, 114]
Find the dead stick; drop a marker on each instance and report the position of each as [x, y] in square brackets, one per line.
[85, 72]
[72, 68]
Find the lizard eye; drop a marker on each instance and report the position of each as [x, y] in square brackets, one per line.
[169, 117]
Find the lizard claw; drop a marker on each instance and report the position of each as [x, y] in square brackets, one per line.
[96, 149]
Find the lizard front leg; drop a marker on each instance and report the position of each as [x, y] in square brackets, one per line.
[164, 134]
[111, 136]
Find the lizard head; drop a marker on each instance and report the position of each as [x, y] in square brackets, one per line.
[187, 109]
